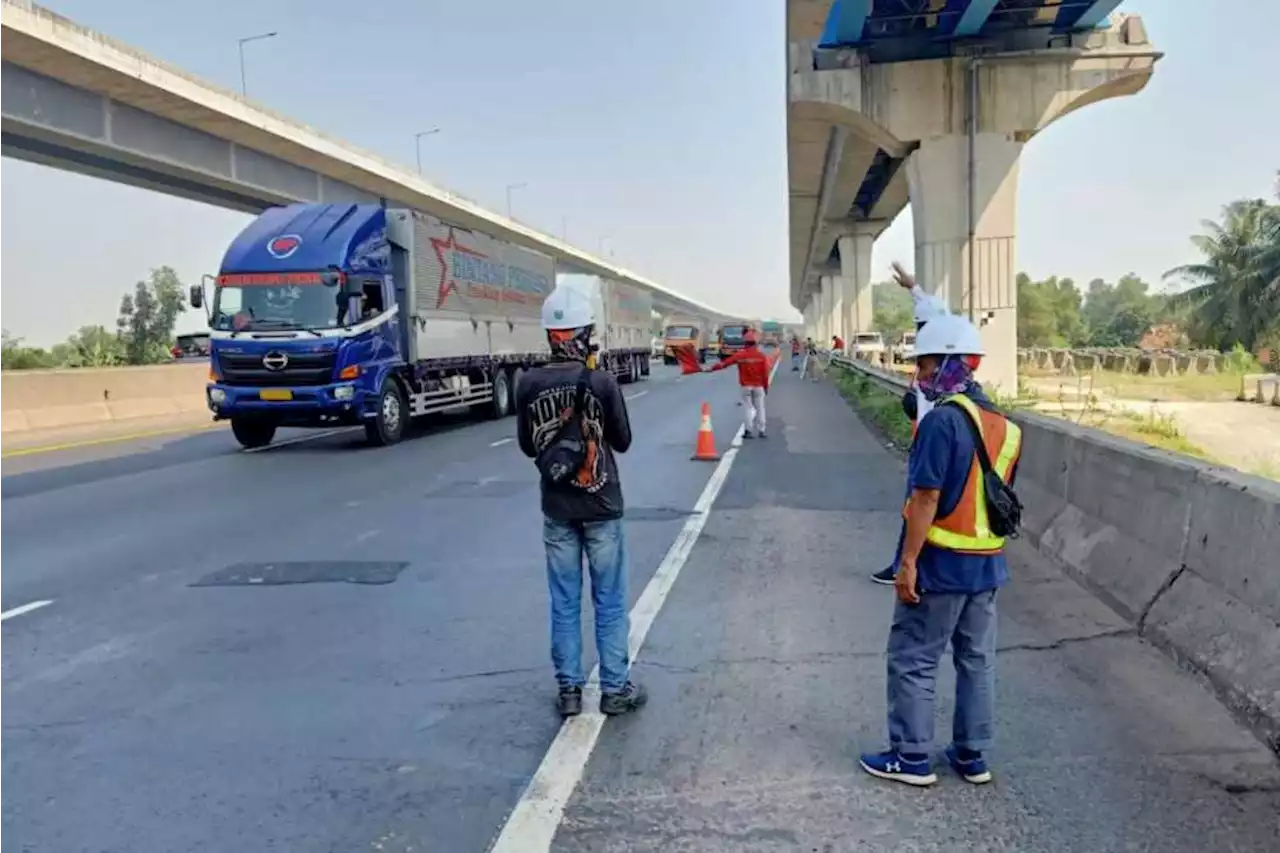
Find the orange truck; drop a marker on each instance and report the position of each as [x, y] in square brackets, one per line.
[682, 330]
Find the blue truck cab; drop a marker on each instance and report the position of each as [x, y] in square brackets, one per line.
[305, 325]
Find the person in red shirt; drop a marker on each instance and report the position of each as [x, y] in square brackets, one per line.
[837, 344]
[753, 376]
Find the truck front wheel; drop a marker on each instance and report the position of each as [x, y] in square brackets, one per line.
[388, 426]
[251, 433]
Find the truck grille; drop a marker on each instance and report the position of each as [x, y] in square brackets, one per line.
[304, 368]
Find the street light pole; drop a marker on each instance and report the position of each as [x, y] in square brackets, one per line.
[240, 43]
[417, 145]
[511, 187]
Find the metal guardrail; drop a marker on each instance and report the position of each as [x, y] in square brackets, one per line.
[892, 382]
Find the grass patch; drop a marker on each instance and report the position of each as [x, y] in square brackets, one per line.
[1152, 428]
[881, 408]
[1209, 387]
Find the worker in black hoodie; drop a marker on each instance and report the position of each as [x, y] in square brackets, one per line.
[570, 420]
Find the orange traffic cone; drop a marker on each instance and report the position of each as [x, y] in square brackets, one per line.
[705, 450]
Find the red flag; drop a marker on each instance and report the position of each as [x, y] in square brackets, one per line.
[688, 359]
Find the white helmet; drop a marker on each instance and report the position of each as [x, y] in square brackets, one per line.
[567, 308]
[927, 307]
[949, 334]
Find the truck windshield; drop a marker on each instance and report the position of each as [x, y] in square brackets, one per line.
[733, 333]
[867, 338]
[682, 332]
[273, 301]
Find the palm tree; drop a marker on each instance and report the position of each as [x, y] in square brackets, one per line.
[1235, 290]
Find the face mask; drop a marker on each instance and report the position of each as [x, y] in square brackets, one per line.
[953, 376]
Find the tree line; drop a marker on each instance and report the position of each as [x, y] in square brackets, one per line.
[143, 333]
[1230, 297]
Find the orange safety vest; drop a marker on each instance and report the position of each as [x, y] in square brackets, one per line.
[966, 529]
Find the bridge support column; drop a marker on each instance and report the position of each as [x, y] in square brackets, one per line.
[855, 276]
[964, 194]
[825, 325]
[837, 307]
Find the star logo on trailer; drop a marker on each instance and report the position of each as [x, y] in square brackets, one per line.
[447, 283]
[283, 246]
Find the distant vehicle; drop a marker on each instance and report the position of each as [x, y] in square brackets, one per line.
[732, 338]
[684, 330]
[868, 346]
[191, 346]
[655, 348]
[905, 349]
[771, 333]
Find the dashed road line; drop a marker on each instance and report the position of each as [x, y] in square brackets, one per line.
[501, 442]
[637, 395]
[26, 608]
[301, 438]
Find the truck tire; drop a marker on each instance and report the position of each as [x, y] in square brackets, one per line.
[635, 367]
[392, 415]
[666, 359]
[646, 365]
[517, 376]
[500, 402]
[252, 434]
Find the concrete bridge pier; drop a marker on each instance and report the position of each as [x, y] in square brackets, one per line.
[855, 278]
[970, 117]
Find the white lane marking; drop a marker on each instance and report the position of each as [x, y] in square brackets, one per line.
[532, 824]
[26, 608]
[366, 535]
[301, 438]
[501, 442]
[637, 395]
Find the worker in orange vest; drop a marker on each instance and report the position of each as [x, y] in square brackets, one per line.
[959, 510]
[914, 404]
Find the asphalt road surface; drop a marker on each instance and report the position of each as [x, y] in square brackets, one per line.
[195, 684]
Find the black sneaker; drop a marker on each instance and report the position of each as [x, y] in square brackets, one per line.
[885, 576]
[748, 434]
[570, 701]
[631, 698]
[762, 435]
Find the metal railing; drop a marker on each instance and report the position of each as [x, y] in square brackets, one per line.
[892, 382]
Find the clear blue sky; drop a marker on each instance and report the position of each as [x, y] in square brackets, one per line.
[657, 124]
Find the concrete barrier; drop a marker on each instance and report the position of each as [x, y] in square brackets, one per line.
[48, 399]
[1190, 553]
[1186, 551]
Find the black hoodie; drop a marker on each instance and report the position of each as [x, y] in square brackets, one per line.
[543, 394]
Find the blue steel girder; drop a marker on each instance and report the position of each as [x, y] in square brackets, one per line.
[899, 30]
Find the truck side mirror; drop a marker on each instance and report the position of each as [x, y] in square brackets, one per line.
[197, 296]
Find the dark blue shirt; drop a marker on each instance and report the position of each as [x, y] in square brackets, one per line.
[940, 459]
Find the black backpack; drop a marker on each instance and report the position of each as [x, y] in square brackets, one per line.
[1004, 510]
[562, 458]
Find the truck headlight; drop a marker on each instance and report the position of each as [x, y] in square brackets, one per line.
[344, 392]
[217, 395]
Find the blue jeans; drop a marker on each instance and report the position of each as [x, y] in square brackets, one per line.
[917, 640]
[605, 545]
